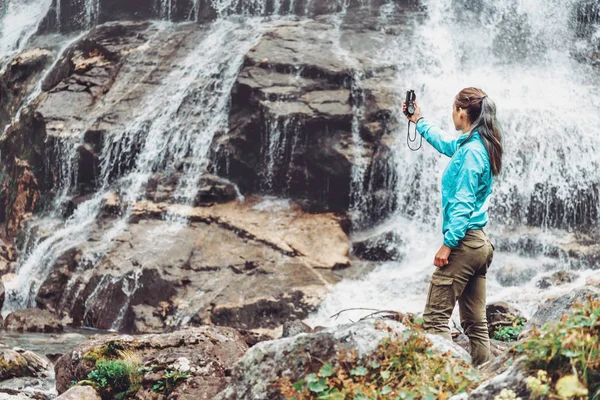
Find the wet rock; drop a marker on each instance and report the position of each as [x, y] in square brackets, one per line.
[256, 268]
[511, 275]
[512, 378]
[21, 198]
[293, 328]
[32, 320]
[383, 247]
[213, 189]
[207, 353]
[593, 280]
[6, 267]
[22, 363]
[556, 279]
[8, 252]
[80, 392]
[253, 338]
[18, 78]
[292, 121]
[111, 205]
[253, 375]
[553, 310]
[500, 314]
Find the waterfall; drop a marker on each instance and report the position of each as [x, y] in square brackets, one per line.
[19, 20]
[92, 12]
[522, 54]
[177, 120]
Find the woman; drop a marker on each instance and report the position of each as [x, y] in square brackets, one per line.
[463, 260]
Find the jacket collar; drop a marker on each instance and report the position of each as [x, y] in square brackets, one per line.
[462, 138]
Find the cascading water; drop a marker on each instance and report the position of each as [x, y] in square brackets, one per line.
[521, 54]
[509, 48]
[196, 94]
[92, 12]
[19, 20]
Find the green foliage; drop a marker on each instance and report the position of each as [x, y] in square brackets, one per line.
[112, 349]
[109, 351]
[568, 352]
[113, 377]
[510, 333]
[170, 381]
[402, 368]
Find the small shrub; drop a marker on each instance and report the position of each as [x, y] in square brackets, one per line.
[568, 353]
[510, 333]
[170, 381]
[114, 378]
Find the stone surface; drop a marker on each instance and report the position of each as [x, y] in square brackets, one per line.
[22, 363]
[79, 393]
[236, 264]
[382, 247]
[511, 275]
[300, 94]
[20, 74]
[556, 279]
[262, 364]
[292, 328]
[208, 354]
[594, 279]
[511, 377]
[553, 310]
[32, 320]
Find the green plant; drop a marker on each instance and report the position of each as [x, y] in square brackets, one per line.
[114, 378]
[110, 350]
[510, 333]
[402, 368]
[568, 352]
[170, 381]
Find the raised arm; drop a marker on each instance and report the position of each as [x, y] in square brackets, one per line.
[440, 140]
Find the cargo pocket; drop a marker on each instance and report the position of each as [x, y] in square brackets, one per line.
[441, 293]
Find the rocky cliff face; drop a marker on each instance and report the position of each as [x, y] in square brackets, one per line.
[288, 127]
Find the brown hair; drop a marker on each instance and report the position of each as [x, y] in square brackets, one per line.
[481, 112]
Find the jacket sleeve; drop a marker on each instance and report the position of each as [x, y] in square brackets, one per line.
[462, 204]
[440, 140]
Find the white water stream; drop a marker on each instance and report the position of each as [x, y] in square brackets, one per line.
[519, 52]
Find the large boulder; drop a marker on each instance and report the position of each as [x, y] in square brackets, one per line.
[32, 320]
[206, 354]
[263, 364]
[17, 363]
[245, 265]
[80, 392]
[553, 310]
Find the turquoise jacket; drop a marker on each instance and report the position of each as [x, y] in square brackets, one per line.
[466, 183]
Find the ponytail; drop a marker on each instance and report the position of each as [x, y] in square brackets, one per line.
[482, 110]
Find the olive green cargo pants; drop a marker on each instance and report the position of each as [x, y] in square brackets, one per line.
[463, 279]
